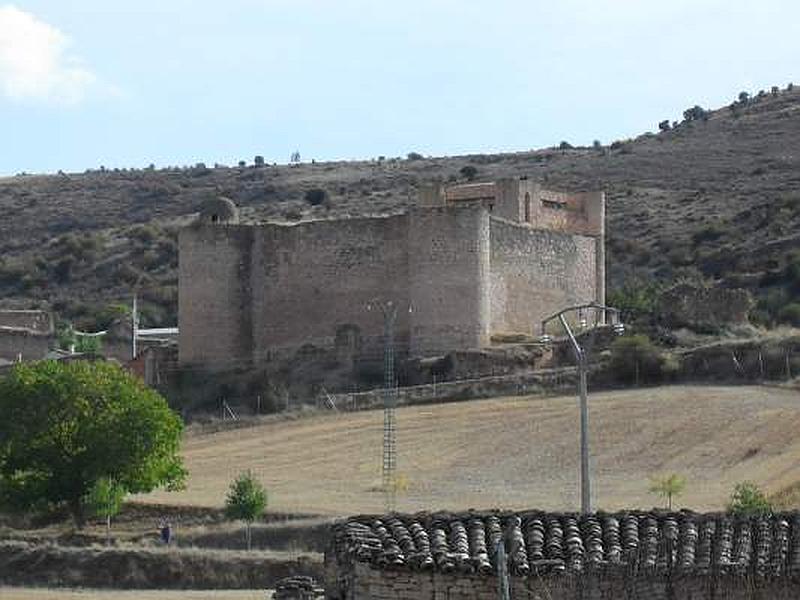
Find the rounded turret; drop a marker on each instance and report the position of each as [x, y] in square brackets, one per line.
[218, 211]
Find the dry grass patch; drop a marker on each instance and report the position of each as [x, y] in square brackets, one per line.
[512, 452]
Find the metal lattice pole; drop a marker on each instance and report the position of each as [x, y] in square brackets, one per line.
[389, 404]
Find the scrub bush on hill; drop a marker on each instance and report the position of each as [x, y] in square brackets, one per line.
[635, 359]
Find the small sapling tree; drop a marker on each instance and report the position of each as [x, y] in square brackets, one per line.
[668, 487]
[104, 500]
[246, 501]
[748, 499]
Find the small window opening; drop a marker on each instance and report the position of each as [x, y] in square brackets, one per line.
[527, 208]
[214, 218]
[554, 204]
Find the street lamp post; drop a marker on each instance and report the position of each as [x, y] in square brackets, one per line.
[582, 361]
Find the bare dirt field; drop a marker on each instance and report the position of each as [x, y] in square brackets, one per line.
[519, 452]
[19, 593]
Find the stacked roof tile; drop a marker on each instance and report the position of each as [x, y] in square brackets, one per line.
[539, 542]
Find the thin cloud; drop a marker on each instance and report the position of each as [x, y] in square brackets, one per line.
[35, 62]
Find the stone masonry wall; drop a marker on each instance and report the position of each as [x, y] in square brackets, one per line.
[38, 321]
[312, 279]
[582, 213]
[536, 273]
[366, 583]
[449, 273]
[214, 295]
[252, 293]
[30, 345]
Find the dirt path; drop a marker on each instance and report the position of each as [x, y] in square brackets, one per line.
[513, 452]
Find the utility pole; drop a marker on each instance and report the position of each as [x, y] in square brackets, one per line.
[134, 327]
[582, 361]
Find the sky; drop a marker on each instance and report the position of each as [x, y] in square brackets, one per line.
[118, 83]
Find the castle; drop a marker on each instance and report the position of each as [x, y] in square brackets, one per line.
[462, 264]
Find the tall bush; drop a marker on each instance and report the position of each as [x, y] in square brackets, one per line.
[635, 359]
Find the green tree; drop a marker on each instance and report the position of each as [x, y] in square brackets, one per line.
[246, 501]
[695, 113]
[636, 300]
[104, 500]
[66, 425]
[88, 344]
[748, 499]
[668, 487]
[67, 338]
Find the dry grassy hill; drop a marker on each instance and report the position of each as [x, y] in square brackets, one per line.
[512, 452]
[716, 198]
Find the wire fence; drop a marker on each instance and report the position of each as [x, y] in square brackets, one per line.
[745, 363]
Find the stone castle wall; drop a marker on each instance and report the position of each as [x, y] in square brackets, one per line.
[313, 280]
[449, 265]
[214, 295]
[535, 273]
[253, 293]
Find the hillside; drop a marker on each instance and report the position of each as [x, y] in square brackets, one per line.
[716, 197]
[511, 452]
